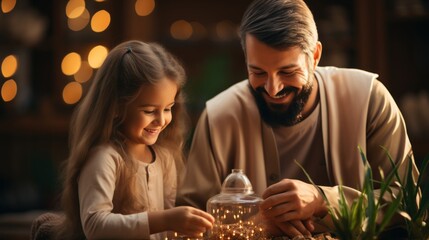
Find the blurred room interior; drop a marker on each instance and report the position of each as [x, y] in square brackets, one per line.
[51, 49]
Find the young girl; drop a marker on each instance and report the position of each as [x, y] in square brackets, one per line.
[125, 139]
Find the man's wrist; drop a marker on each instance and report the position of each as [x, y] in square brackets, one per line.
[322, 209]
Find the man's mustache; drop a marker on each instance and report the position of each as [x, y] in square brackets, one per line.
[285, 90]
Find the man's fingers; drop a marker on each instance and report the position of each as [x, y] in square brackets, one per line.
[278, 199]
[292, 215]
[300, 227]
[277, 211]
[288, 229]
[309, 224]
[277, 188]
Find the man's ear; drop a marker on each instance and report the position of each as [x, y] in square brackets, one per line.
[317, 54]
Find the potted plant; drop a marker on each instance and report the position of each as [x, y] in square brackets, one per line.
[414, 204]
[363, 218]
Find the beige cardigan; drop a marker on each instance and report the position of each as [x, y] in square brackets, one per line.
[97, 184]
[356, 110]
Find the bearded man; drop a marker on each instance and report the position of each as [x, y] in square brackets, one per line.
[290, 109]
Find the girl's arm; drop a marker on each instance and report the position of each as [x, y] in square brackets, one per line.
[96, 187]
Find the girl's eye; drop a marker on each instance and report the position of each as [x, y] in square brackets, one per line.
[148, 112]
[167, 110]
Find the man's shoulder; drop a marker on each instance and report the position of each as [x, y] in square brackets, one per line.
[235, 95]
[236, 90]
[344, 74]
[236, 102]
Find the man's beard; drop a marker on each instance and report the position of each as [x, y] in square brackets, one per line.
[275, 115]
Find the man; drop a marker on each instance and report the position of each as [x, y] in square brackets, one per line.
[291, 110]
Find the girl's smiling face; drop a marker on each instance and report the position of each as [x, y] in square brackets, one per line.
[149, 113]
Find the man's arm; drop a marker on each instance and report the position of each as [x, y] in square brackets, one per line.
[292, 199]
[201, 179]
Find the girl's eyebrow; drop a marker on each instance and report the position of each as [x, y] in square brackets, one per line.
[151, 105]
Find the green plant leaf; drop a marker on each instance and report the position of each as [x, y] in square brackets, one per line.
[405, 215]
[388, 214]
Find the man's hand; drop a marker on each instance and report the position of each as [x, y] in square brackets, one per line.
[290, 229]
[290, 200]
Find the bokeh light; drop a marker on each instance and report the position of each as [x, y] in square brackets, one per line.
[84, 73]
[181, 30]
[9, 90]
[97, 55]
[226, 30]
[75, 8]
[100, 21]
[144, 7]
[9, 66]
[198, 31]
[72, 92]
[7, 5]
[79, 23]
[71, 63]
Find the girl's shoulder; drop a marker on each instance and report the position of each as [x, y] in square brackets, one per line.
[105, 153]
[104, 149]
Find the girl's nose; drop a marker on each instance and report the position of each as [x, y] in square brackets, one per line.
[160, 119]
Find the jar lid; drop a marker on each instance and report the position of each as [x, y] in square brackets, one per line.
[237, 182]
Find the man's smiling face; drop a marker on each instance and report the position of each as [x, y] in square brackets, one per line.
[281, 79]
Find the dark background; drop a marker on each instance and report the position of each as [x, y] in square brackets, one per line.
[388, 37]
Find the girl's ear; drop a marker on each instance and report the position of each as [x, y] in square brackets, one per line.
[116, 113]
[119, 111]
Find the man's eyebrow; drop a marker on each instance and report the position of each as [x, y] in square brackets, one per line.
[289, 66]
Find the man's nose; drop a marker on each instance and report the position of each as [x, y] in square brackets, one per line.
[273, 85]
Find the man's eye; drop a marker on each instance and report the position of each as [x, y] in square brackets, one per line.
[258, 73]
[286, 73]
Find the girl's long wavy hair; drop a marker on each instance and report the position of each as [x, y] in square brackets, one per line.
[96, 120]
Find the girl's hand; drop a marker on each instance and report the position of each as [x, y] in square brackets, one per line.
[188, 221]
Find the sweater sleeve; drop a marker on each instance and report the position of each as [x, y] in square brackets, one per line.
[386, 128]
[96, 187]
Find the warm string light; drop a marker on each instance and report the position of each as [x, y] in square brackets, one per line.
[233, 222]
[236, 222]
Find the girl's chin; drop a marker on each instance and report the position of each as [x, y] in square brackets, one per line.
[149, 140]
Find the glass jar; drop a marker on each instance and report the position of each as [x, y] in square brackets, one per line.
[236, 210]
